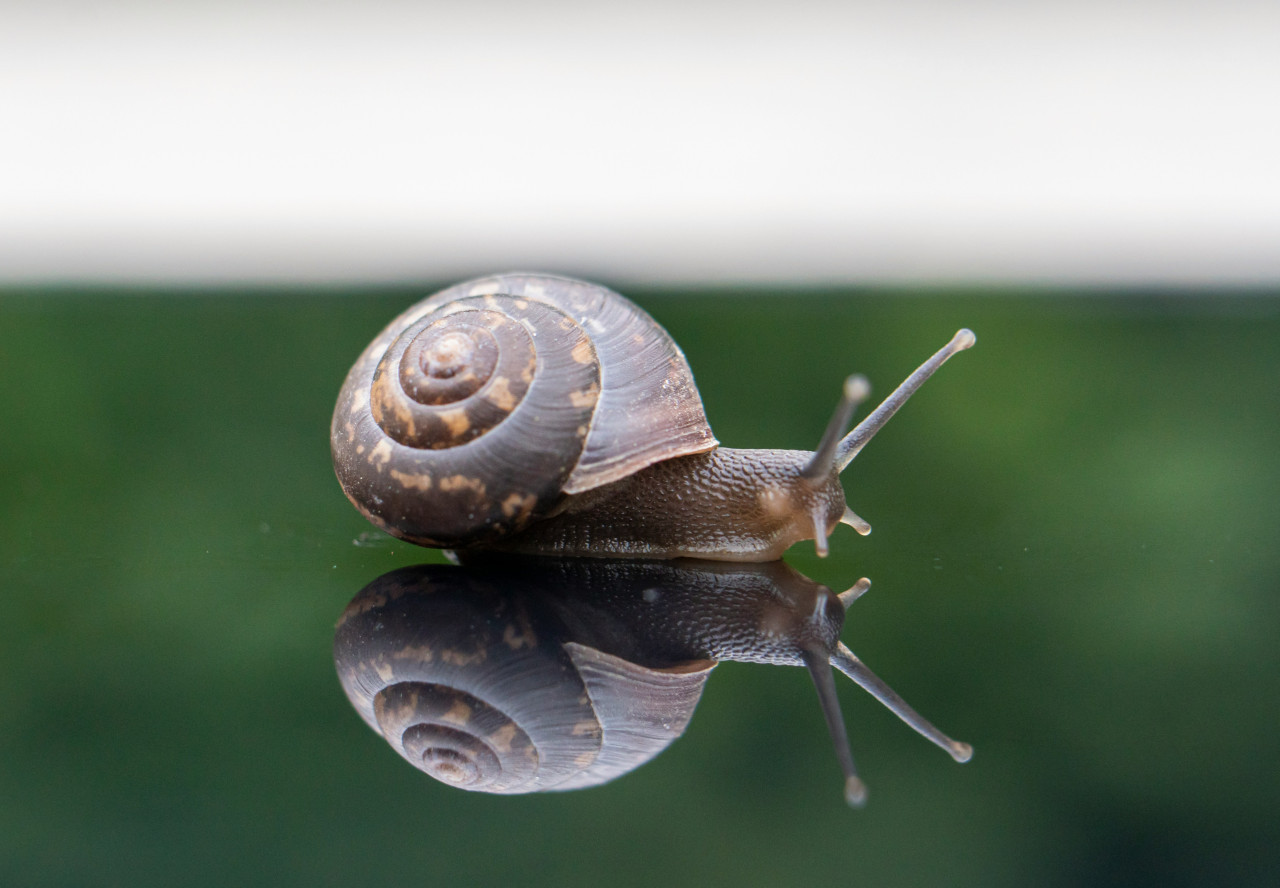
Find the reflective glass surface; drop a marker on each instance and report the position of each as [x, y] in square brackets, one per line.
[1073, 568]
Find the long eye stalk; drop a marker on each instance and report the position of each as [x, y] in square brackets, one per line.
[819, 666]
[820, 663]
[855, 791]
[845, 660]
[856, 390]
[858, 438]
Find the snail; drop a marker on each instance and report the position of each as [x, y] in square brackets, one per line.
[516, 674]
[545, 415]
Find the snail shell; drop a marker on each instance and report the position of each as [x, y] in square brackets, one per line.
[482, 685]
[478, 409]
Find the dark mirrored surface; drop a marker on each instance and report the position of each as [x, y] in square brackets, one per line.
[1073, 563]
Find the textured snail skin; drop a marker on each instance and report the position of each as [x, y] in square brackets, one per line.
[679, 509]
[686, 609]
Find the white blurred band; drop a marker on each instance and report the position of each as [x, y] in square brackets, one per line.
[842, 142]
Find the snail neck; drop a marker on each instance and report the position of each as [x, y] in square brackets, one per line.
[728, 505]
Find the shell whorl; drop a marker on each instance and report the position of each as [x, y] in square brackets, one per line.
[453, 376]
[476, 685]
[479, 408]
[456, 737]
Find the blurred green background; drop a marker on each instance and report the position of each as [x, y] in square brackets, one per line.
[1074, 568]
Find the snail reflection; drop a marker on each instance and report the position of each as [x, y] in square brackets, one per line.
[522, 675]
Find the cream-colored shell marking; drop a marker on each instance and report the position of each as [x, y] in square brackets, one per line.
[478, 409]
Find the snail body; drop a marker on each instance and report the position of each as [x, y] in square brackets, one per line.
[545, 415]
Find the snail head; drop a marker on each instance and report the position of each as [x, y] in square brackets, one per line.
[818, 493]
[820, 659]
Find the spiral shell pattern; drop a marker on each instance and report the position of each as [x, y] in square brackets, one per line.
[477, 685]
[478, 409]
[456, 737]
[427, 465]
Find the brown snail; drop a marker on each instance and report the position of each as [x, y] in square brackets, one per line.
[546, 415]
[517, 674]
